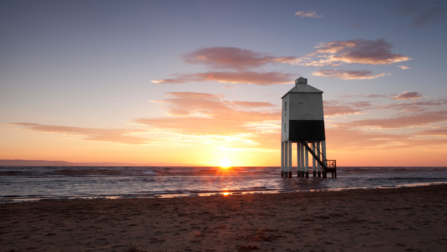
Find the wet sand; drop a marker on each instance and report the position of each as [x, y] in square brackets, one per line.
[407, 219]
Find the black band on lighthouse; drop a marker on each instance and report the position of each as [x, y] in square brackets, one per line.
[306, 130]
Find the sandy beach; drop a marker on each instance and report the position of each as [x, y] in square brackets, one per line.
[407, 219]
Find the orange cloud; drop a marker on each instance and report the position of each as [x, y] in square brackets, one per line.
[403, 67]
[442, 131]
[372, 52]
[92, 134]
[230, 87]
[408, 95]
[234, 58]
[311, 14]
[169, 81]
[401, 121]
[348, 74]
[208, 114]
[240, 77]
[246, 104]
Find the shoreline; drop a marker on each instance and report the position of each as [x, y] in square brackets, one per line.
[396, 219]
[210, 194]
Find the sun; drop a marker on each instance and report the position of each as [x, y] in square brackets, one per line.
[225, 163]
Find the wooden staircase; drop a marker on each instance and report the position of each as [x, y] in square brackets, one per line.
[328, 165]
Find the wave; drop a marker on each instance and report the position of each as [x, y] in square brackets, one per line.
[185, 171]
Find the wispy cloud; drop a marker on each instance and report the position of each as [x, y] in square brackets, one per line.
[310, 14]
[234, 58]
[407, 107]
[424, 13]
[93, 134]
[414, 105]
[239, 77]
[348, 74]
[441, 131]
[347, 138]
[402, 121]
[375, 95]
[180, 80]
[408, 95]
[365, 95]
[336, 108]
[373, 52]
[404, 67]
[411, 105]
[237, 63]
[247, 104]
[209, 114]
[230, 87]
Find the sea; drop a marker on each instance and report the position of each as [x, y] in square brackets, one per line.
[52, 183]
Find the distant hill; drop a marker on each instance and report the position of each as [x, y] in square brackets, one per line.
[18, 162]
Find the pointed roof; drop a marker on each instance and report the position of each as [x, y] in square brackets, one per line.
[301, 86]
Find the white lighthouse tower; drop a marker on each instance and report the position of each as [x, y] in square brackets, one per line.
[303, 123]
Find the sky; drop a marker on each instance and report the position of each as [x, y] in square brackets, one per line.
[193, 82]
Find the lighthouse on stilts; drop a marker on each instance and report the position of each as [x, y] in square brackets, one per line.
[303, 123]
